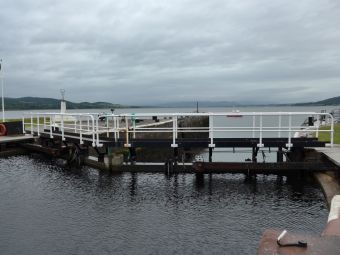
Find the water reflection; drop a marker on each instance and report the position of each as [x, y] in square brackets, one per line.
[141, 213]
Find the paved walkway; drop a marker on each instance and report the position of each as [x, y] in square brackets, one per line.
[17, 138]
[333, 154]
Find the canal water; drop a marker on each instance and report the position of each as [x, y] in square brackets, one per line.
[47, 208]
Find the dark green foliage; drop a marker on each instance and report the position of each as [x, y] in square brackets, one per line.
[32, 103]
[329, 101]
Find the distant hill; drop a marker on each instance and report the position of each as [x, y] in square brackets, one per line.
[329, 101]
[38, 103]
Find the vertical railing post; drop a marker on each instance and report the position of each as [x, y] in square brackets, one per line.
[107, 127]
[62, 128]
[51, 124]
[115, 128]
[88, 124]
[174, 131]
[134, 128]
[317, 126]
[44, 121]
[261, 131]
[127, 144]
[38, 125]
[254, 123]
[32, 131]
[118, 127]
[332, 130]
[211, 131]
[93, 131]
[80, 130]
[280, 124]
[23, 124]
[289, 144]
[53, 119]
[97, 131]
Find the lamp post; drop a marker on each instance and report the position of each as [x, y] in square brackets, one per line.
[2, 92]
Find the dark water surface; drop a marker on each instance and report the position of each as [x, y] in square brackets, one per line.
[49, 209]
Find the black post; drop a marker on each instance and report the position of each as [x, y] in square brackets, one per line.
[254, 154]
[133, 154]
[210, 154]
[279, 155]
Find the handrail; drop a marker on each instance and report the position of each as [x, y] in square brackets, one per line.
[90, 124]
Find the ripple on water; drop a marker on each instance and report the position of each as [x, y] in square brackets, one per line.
[48, 208]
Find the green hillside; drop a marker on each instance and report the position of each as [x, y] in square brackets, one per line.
[35, 103]
[329, 101]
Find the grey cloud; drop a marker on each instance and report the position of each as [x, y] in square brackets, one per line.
[135, 52]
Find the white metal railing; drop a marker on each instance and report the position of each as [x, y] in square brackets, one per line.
[125, 126]
[77, 124]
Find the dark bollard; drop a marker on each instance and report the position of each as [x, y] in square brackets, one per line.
[210, 154]
[279, 155]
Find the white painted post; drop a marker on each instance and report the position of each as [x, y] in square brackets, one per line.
[44, 121]
[93, 132]
[51, 124]
[211, 131]
[32, 124]
[317, 126]
[80, 131]
[261, 130]
[332, 131]
[118, 127]
[115, 128]
[38, 125]
[289, 144]
[23, 125]
[254, 123]
[174, 132]
[97, 131]
[280, 124]
[107, 126]
[127, 144]
[62, 128]
[88, 124]
[53, 119]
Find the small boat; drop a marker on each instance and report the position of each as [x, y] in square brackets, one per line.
[235, 114]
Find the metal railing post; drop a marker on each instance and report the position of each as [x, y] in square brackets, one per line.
[44, 121]
[80, 131]
[51, 123]
[115, 128]
[254, 124]
[38, 125]
[317, 126]
[332, 130]
[62, 128]
[280, 124]
[261, 130]
[23, 125]
[97, 131]
[118, 127]
[289, 144]
[127, 144]
[32, 131]
[93, 131]
[211, 131]
[107, 127]
[174, 135]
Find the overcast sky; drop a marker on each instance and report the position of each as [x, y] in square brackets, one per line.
[143, 52]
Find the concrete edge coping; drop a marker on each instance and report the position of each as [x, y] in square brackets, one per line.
[334, 212]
